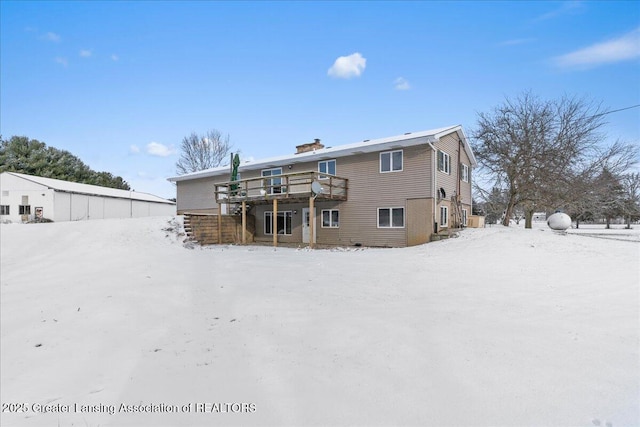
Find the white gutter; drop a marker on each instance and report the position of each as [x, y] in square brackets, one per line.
[434, 186]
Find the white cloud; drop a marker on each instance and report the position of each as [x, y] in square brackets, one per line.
[567, 7]
[624, 48]
[401, 84]
[52, 37]
[114, 57]
[134, 149]
[86, 53]
[62, 61]
[160, 150]
[347, 67]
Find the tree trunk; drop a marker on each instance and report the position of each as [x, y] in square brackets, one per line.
[608, 223]
[628, 222]
[577, 222]
[509, 212]
[507, 215]
[528, 218]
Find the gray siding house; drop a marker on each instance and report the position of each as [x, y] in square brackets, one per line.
[388, 192]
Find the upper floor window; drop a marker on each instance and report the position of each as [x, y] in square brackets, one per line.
[326, 167]
[444, 162]
[273, 185]
[391, 161]
[465, 173]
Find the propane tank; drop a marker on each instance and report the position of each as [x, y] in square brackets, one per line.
[559, 221]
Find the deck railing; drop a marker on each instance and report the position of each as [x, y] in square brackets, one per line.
[286, 186]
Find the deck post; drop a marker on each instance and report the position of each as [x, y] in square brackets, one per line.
[312, 221]
[274, 223]
[244, 222]
[219, 223]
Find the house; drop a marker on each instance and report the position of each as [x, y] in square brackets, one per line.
[539, 216]
[26, 197]
[391, 192]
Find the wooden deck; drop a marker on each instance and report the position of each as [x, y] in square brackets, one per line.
[293, 187]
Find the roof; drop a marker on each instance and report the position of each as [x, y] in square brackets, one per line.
[367, 146]
[78, 188]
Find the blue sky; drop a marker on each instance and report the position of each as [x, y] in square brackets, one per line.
[119, 84]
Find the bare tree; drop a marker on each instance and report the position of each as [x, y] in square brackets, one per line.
[200, 152]
[593, 189]
[631, 186]
[493, 203]
[533, 149]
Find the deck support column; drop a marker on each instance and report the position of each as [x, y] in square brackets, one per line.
[219, 223]
[274, 223]
[244, 222]
[312, 221]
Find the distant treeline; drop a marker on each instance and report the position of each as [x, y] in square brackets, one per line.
[30, 156]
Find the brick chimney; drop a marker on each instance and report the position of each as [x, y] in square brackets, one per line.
[311, 146]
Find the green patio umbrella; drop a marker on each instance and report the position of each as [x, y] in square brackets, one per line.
[234, 174]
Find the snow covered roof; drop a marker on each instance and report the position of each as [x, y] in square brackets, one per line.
[78, 188]
[367, 146]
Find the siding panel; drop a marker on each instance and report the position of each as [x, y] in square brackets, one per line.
[198, 195]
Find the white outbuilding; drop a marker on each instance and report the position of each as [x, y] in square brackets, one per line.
[26, 197]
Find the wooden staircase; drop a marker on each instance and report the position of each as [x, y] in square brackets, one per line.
[237, 209]
[203, 228]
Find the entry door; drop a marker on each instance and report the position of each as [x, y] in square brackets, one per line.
[306, 219]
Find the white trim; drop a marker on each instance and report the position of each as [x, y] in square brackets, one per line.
[446, 216]
[391, 169]
[271, 186]
[391, 208]
[446, 162]
[367, 146]
[325, 175]
[330, 218]
[465, 172]
[283, 213]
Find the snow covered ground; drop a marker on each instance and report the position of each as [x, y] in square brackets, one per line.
[116, 323]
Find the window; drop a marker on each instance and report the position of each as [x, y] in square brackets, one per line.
[465, 173]
[283, 223]
[328, 167]
[444, 162]
[391, 218]
[464, 217]
[273, 185]
[24, 210]
[4, 210]
[444, 216]
[391, 161]
[330, 218]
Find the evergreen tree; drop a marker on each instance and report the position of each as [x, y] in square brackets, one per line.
[32, 157]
